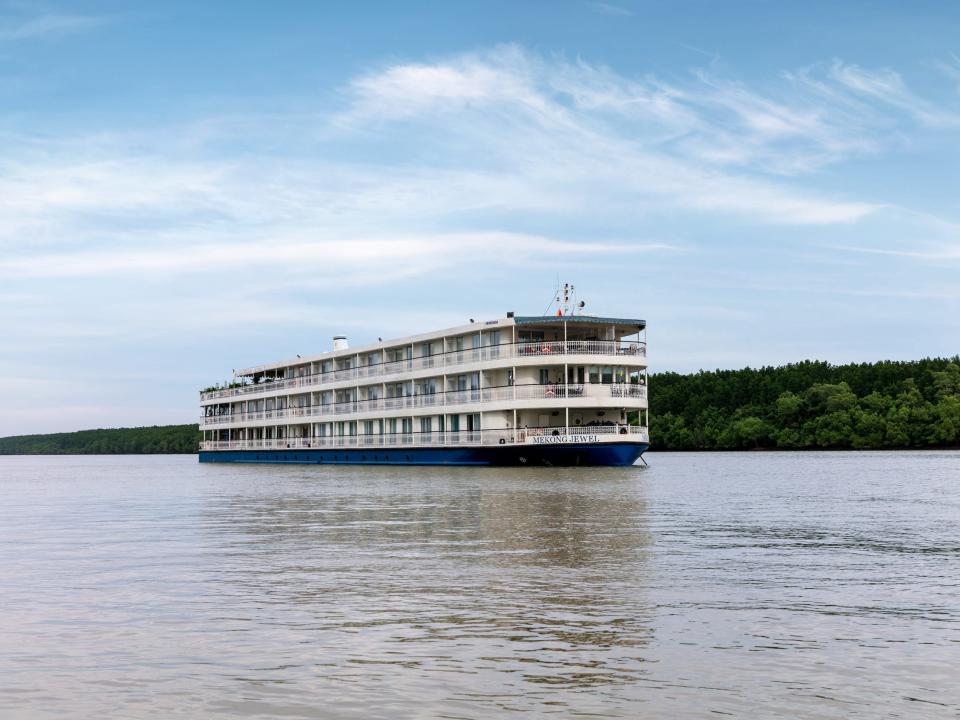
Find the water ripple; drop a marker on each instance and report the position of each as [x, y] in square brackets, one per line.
[818, 585]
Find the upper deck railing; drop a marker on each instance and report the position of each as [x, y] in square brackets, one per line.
[450, 359]
[549, 392]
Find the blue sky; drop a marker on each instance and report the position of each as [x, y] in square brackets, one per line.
[186, 188]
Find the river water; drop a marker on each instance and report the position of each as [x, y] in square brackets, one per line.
[753, 585]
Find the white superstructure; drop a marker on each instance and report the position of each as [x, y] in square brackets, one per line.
[511, 381]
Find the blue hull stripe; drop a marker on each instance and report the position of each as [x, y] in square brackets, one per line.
[597, 454]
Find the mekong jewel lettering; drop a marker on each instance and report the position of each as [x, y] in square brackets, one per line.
[561, 439]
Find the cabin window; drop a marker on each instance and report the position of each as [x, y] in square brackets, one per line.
[594, 374]
[544, 376]
[607, 376]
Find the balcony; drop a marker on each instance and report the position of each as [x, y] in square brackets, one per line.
[450, 359]
[552, 393]
[531, 436]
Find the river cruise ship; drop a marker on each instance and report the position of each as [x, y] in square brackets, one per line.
[561, 389]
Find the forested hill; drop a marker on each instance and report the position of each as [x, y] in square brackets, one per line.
[158, 439]
[809, 405]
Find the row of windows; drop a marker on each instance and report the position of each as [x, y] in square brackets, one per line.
[390, 426]
[594, 374]
[399, 354]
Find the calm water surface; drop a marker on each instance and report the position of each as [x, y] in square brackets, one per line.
[817, 585]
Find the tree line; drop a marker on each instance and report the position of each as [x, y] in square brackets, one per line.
[809, 404]
[804, 405]
[154, 440]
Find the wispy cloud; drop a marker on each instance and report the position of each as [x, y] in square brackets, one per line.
[428, 150]
[659, 140]
[611, 9]
[887, 86]
[950, 68]
[935, 253]
[47, 25]
[331, 260]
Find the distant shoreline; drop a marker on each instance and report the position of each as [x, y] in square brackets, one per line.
[148, 440]
[811, 405]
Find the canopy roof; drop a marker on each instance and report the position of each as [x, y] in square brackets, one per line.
[579, 320]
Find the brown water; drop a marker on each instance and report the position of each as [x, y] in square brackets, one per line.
[816, 585]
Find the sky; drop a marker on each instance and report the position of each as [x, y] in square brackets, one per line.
[188, 188]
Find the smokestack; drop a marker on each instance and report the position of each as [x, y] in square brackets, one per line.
[340, 342]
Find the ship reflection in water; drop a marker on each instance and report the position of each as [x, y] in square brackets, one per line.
[536, 578]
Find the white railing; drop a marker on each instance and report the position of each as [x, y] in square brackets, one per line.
[552, 392]
[605, 431]
[443, 360]
[521, 436]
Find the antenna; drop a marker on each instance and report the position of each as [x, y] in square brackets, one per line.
[555, 299]
[565, 300]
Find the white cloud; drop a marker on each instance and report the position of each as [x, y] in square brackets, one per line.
[497, 132]
[915, 251]
[334, 259]
[611, 9]
[886, 86]
[47, 25]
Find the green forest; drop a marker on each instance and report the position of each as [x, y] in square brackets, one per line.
[809, 405]
[158, 439]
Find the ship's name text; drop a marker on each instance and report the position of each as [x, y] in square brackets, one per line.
[559, 439]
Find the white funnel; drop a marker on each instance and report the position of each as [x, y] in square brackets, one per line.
[340, 342]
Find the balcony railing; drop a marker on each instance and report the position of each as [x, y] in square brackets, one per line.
[452, 358]
[552, 392]
[524, 436]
